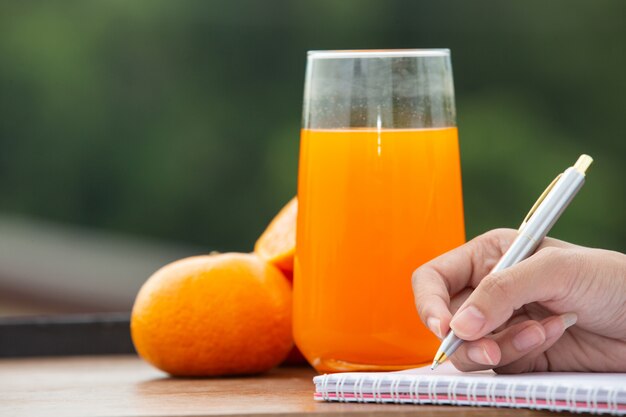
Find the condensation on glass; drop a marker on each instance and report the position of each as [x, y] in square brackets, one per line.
[379, 89]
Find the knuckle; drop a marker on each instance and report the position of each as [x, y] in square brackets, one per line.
[425, 309]
[422, 281]
[498, 233]
[492, 244]
[415, 278]
[496, 285]
[422, 312]
[419, 295]
[566, 261]
[419, 292]
[573, 258]
[501, 237]
[560, 255]
[570, 265]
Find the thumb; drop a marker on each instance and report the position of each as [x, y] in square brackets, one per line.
[545, 276]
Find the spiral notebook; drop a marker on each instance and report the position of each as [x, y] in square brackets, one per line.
[578, 392]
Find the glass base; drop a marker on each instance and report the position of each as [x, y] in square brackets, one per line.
[324, 365]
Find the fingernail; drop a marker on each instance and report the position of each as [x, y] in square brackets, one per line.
[556, 326]
[435, 326]
[530, 337]
[479, 355]
[569, 319]
[468, 322]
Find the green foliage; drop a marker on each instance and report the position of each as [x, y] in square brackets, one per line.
[180, 120]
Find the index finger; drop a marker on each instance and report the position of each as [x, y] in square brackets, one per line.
[435, 282]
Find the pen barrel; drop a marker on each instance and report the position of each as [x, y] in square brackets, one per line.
[542, 220]
[532, 232]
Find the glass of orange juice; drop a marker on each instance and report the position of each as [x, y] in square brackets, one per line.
[379, 194]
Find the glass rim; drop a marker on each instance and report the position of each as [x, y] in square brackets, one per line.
[378, 53]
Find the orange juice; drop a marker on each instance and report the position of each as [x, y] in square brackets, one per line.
[373, 206]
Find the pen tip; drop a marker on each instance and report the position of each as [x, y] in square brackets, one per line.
[434, 365]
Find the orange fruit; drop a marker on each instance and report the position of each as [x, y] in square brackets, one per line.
[277, 244]
[222, 314]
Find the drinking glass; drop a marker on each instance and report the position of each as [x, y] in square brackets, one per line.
[379, 194]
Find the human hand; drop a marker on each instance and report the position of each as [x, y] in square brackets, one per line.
[561, 309]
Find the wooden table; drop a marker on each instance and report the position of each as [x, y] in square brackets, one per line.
[126, 386]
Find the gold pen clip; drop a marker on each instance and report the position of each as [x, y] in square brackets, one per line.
[581, 165]
[538, 202]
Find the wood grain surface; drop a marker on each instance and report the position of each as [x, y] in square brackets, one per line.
[115, 386]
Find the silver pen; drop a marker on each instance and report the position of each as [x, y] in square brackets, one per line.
[538, 222]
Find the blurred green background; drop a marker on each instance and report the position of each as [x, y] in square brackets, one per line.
[178, 121]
